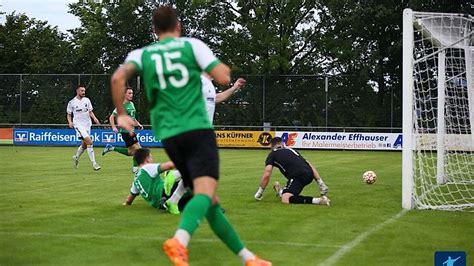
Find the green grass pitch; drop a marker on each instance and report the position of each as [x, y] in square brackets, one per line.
[52, 214]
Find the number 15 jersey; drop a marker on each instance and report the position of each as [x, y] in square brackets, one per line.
[171, 70]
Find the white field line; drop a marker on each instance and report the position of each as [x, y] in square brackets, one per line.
[336, 256]
[125, 237]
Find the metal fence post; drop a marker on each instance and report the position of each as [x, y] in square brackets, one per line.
[139, 92]
[138, 83]
[391, 109]
[263, 100]
[326, 89]
[21, 97]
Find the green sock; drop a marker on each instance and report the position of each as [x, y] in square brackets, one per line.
[121, 150]
[194, 211]
[223, 229]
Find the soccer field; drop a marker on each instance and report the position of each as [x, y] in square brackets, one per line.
[54, 214]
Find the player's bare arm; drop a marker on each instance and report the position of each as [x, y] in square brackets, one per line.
[137, 123]
[221, 74]
[129, 200]
[118, 83]
[222, 96]
[92, 115]
[69, 120]
[323, 188]
[112, 123]
[267, 173]
[315, 172]
[167, 166]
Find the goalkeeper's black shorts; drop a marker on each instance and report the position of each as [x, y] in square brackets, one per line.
[296, 185]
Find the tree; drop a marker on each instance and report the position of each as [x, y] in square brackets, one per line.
[109, 32]
[363, 41]
[358, 43]
[29, 46]
[32, 46]
[268, 38]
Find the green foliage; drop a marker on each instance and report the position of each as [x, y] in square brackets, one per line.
[109, 32]
[357, 43]
[32, 46]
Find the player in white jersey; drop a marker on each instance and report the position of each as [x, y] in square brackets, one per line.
[79, 114]
[210, 96]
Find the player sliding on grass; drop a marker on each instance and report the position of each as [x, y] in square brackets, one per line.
[130, 138]
[147, 181]
[79, 114]
[297, 170]
[171, 70]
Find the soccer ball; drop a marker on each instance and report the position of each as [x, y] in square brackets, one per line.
[369, 177]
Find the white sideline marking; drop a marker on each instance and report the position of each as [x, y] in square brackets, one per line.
[336, 256]
[205, 240]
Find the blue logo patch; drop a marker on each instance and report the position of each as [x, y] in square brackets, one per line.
[108, 137]
[450, 258]
[398, 141]
[21, 136]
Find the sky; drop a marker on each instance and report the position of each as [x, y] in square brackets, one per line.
[53, 11]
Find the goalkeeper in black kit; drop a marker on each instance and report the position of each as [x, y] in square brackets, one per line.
[298, 171]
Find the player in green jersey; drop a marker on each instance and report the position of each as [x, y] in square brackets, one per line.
[131, 141]
[171, 70]
[148, 182]
[165, 185]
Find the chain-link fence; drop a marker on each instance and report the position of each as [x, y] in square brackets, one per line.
[325, 103]
[42, 99]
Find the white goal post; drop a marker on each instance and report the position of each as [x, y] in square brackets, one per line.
[438, 111]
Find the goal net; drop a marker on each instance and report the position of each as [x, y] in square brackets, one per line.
[438, 111]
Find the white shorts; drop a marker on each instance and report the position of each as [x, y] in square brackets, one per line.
[82, 132]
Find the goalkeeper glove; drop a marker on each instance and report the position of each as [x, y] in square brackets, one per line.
[259, 194]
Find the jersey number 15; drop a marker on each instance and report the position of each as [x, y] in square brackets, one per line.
[170, 66]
